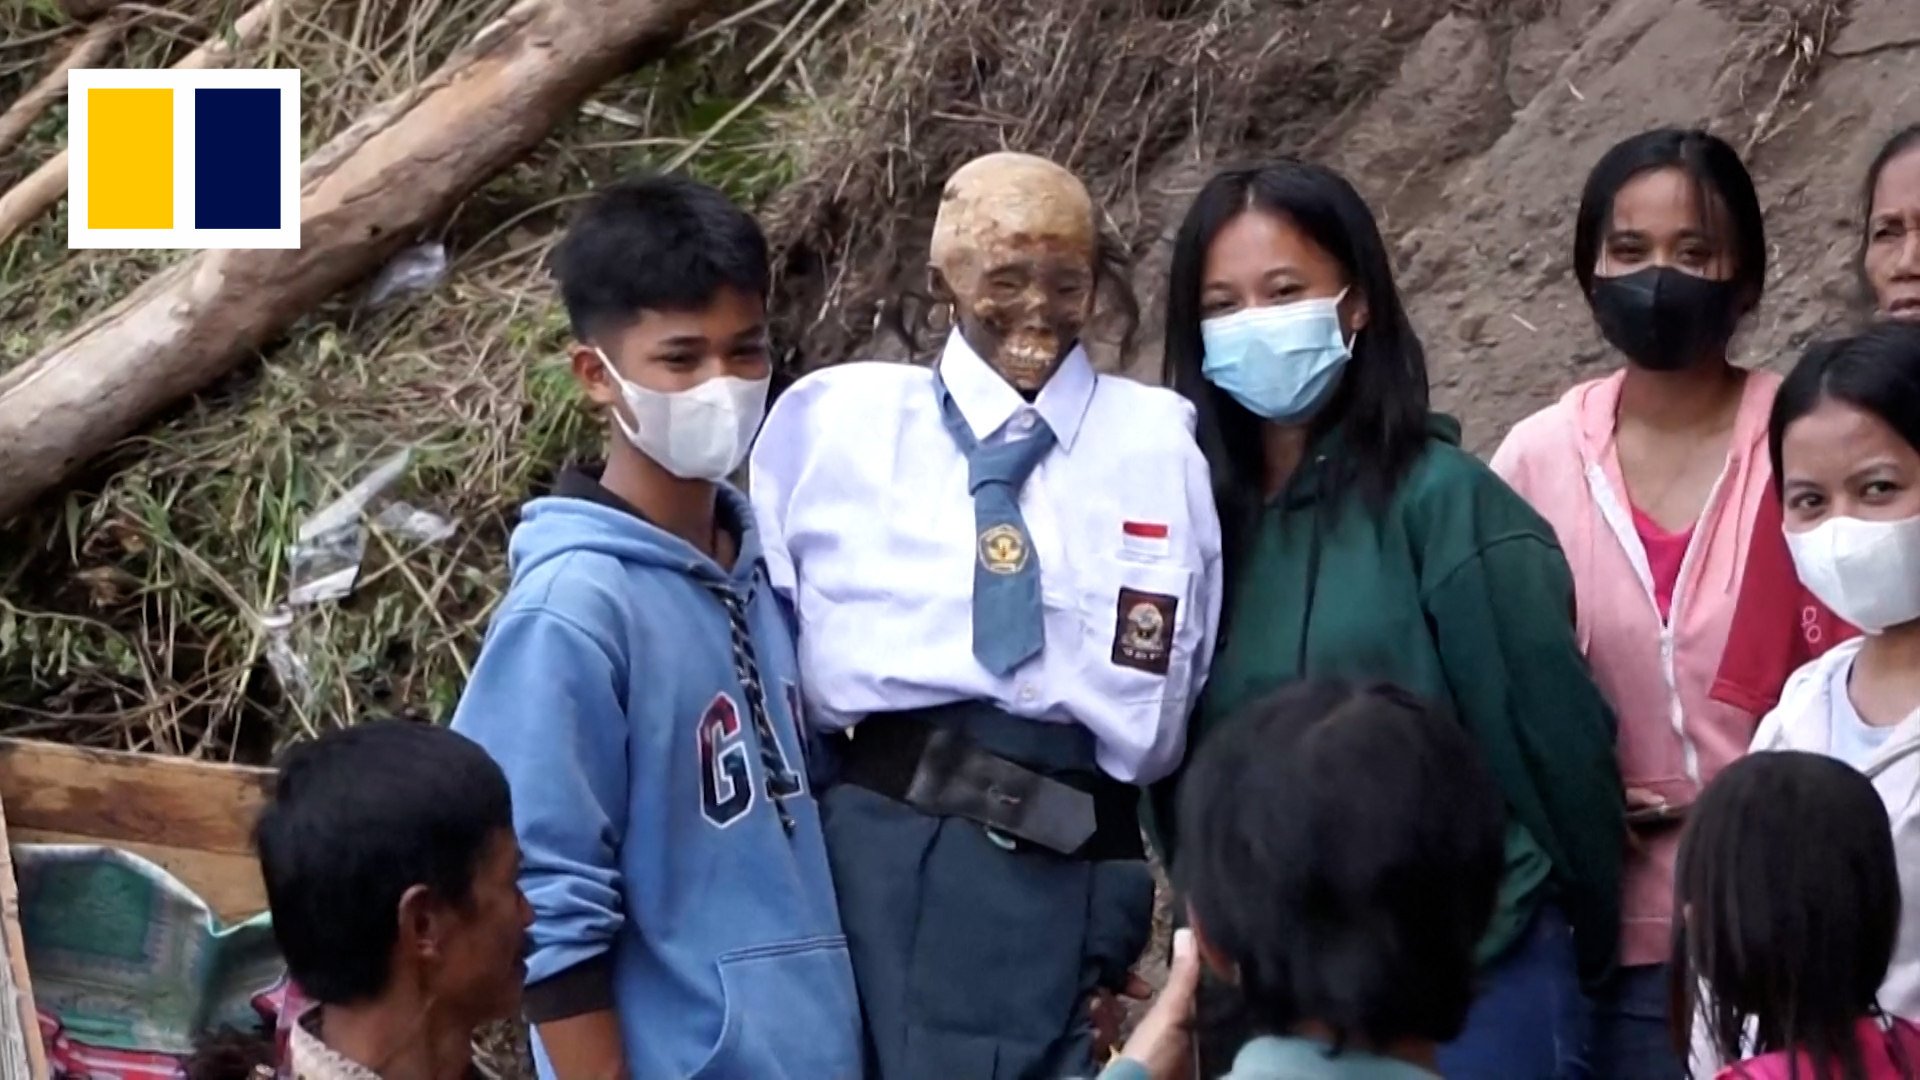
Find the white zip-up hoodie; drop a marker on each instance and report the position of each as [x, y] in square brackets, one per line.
[1804, 721]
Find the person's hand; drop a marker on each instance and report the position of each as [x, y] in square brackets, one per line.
[1640, 799]
[1164, 1040]
[1109, 1012]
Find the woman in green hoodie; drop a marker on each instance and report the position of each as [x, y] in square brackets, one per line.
[1362, 542]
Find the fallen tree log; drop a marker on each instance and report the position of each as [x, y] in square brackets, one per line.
[363, 195]
[21, 204]
[87, 52]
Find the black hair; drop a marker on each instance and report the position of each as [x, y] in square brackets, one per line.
[1342, 845]
[1790, 896]
[656, 243]
[908, 316]
[1718, 177]
[358, 817]
[1876, 371]
[1382, 402]
[1907, 138]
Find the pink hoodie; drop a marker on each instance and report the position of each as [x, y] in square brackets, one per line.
[1674, 737]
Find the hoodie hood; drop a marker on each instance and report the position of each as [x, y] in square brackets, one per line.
[557, 525]
[1596, 406]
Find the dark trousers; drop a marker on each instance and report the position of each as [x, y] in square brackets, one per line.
[1530, 1021]
[1630, 1034]
[976, 962]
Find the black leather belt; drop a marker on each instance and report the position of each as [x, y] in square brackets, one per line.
[938, 770]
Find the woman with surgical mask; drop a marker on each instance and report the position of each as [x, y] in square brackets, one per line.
[1845, 440]
[1361, 542]
[1653, 477]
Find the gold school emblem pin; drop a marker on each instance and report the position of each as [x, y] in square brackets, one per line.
[1003, 549]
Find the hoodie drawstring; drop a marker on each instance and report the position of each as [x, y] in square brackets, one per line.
[781, 781]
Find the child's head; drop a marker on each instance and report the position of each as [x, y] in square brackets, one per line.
[1845, 439]
[391, 867]
[1790, 901]
[665, 282]
[1341, 849]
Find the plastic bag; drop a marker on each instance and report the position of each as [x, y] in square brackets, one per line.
[416, 269]
[327, 549]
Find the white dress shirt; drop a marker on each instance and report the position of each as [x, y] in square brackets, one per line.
[868, 529]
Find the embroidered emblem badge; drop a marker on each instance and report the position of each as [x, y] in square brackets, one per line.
[1003, 549]
[1143, 631]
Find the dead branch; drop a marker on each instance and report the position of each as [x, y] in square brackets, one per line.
[363, 195]
[87, 52]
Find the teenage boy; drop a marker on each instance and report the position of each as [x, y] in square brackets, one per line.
[638, 686]
[389, 861]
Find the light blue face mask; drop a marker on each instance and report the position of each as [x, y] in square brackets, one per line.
[1281, 362]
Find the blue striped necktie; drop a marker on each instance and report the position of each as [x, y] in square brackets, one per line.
[1008, 627]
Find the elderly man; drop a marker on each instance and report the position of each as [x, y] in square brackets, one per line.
[1006, 573]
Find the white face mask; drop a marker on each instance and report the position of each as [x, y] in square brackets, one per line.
[700, 433]
[1866, 572]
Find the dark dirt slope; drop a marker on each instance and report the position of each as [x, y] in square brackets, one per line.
[1475, 151]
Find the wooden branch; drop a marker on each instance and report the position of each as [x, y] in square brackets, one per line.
[22, 204]
[87, 52]
[364, 194]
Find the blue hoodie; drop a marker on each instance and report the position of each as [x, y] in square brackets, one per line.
[608, 690]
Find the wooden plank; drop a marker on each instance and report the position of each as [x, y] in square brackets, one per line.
[18, 980]
[126, 800]
[230, 884]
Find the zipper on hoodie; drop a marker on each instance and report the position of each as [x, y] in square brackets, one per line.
[1621, 523]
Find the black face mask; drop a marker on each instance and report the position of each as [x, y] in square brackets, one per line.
[1665, 319]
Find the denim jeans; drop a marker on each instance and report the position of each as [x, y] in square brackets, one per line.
[1530, 1021]
[1630, 1035]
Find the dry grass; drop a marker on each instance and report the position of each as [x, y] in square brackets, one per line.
[134, 606]
[1121, 91]
[141, 608]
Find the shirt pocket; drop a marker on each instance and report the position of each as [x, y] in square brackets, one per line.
[1133, 616]
[791, 1012]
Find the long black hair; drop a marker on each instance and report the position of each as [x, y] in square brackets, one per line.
[1876, 371]
[1788, 896]
[1382, 402]
[1718, 177]
[1907, 138]
[1342, 846]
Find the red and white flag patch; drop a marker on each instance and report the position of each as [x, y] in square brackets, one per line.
[1148, 539]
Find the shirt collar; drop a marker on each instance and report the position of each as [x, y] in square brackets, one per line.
[1273, 1055]
[988, 402]
[312, 1059]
